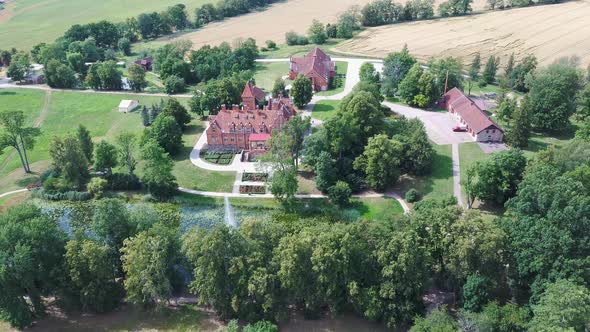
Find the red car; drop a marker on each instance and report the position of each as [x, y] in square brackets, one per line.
[459, 129]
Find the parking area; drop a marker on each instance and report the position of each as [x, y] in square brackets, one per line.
[439, 125]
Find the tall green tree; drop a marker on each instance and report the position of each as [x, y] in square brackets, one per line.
[31, 263]
[489, 72]
[563, 306]
[474, 70]
[539, 212]
[110, 223]
[16, 135]
[85, 139]
[395, 67]
[301, 91]
[105, 157]
[325, 171]
[126, 144]
[552, 96]
[317, 32]
[69, 160]
[519, 132]
[136, 76]
[497, 178]
[279, 89]
[93, 272]
[368, 73]
[166, 131]
[365, 112]
[297, 128]
[175, 109]
[447, 72]
[157, 175]
[146, 261]
[380, 162]
[509, 65]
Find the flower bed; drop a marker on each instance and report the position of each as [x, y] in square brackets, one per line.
[252, 190]
[220, 158]
[254, 177]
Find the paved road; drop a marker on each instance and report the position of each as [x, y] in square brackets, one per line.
[47, 88]
[403, 204]
[12, 192]
[439, 125]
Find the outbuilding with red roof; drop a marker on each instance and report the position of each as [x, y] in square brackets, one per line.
[467, 111]
[317, 66]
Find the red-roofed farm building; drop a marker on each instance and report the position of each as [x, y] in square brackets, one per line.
[248, 127]
[477, 122]
[317, 66]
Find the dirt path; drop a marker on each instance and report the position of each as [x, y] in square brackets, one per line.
[457, 175]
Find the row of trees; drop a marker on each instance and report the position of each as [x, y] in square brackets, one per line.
[267, 267]
[318, 33]
[405, 77]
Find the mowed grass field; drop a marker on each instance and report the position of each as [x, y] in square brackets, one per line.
[60, 113]
[25, 23]
[549, 32]
[325, 109]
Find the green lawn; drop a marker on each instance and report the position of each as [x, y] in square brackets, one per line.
[64, 112]
[35, 21]
[325, 109]
[190, 176]
[377, 208]
[437, 184]
[341, 70]
[267, 73]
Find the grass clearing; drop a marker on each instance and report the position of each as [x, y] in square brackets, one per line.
[436, 185]
[34, 21]
[377, 208]
[325, 109]
[65, 111]
[267, 73]
[192, 177]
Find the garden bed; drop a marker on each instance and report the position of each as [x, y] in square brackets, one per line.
[220, 158]
[252, 189]
[254, 177]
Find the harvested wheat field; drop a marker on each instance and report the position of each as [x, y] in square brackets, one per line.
[275, 21]
[549, 32]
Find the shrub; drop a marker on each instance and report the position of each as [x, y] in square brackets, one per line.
[174, 84]
[123, 181]
[61, 196]
[271, 45]
[292, 38]
[412, 196]
[97, 186]
[340, 193]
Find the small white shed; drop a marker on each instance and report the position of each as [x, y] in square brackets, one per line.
[128, 105]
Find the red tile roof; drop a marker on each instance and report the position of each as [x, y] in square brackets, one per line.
[475, 118]
[276, 114]
[259, 137]
[315, 61]
[253, 91]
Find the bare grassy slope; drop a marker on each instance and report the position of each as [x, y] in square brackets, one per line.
[549, 32]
